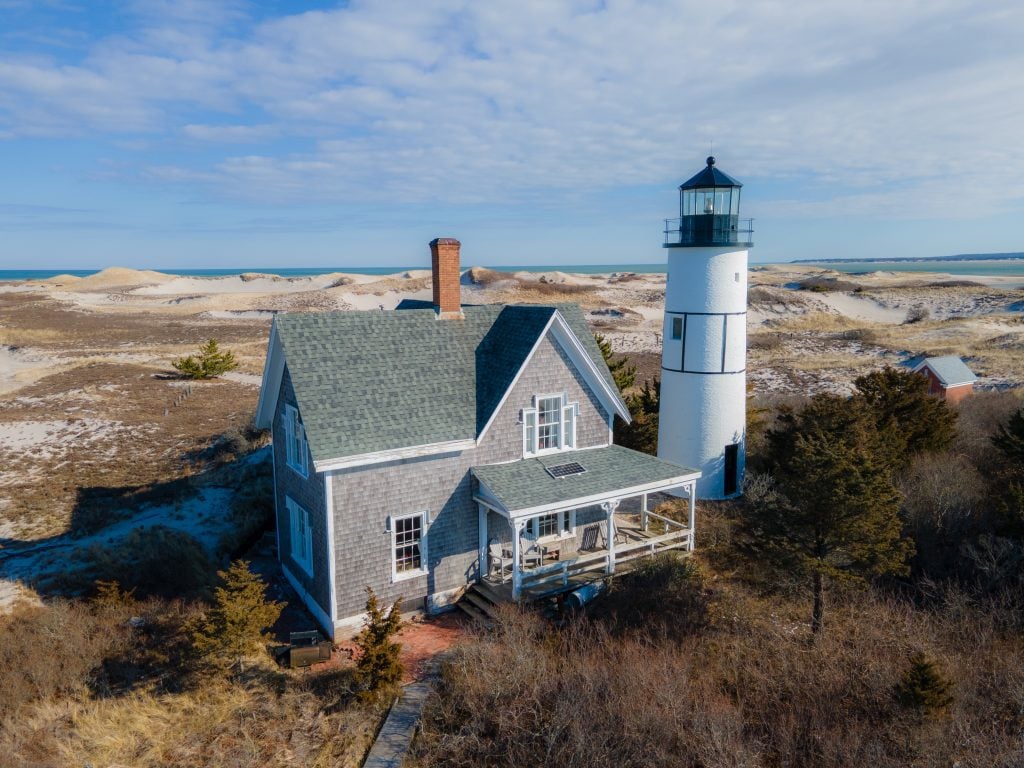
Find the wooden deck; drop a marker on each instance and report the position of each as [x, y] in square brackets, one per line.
[568, 573]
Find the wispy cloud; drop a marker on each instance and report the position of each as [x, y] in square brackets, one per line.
[466, 102]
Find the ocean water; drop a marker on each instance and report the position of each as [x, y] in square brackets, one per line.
[586, 269]
[988, 268]
[995, 267]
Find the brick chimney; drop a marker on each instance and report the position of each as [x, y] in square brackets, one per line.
[444, 261]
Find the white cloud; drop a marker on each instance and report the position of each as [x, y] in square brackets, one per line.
[456, 101]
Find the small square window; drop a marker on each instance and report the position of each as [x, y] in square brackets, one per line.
[677, 328]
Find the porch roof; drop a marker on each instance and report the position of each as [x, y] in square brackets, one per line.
[527, 487]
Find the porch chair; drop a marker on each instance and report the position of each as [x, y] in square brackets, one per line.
[498, 556]
[588, 540]
[620, 536]
[530, 551]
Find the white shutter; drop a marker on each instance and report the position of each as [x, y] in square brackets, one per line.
[289, 435]
[303, 449]
[529, 432]
[293, 521]
[569, 426]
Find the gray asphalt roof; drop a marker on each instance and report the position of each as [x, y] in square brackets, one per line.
[526, 484]
[951, 370]
[376, 381]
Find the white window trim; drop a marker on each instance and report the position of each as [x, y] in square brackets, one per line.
[393, 529]
[564, 531]
[297, 512]
[300, 463]
[533, 413]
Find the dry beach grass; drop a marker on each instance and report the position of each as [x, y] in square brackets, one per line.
[99, 441]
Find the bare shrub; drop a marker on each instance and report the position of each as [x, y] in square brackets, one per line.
[547, 288]
[864, 335]
[747, 691]
[662, 597]
[981, 415]
[943, 497]
[765, 341]
[485, 277]
[993, 562]
[53, 650]
[917, 314]
[826, 284]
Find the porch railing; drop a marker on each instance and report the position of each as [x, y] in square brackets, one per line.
[556, 576]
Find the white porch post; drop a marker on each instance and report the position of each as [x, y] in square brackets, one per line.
[484, 567]
[609, 510]
[692, 488]
[517, 576]
[643, 513]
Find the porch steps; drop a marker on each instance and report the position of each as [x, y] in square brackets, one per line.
[478, 603]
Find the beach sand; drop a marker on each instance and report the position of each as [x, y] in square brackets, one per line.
[90, 409]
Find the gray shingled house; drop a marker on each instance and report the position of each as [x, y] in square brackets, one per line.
[420, 450]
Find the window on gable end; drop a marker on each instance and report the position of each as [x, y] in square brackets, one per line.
[551, 425]
[296, 447]
[301, 536]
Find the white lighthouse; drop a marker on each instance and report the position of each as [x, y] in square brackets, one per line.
[702, 421]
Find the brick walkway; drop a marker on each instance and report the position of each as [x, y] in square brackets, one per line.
[423, 641]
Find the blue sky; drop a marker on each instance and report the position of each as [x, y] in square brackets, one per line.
[186, 133]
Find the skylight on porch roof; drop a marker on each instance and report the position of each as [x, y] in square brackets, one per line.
[565, 470]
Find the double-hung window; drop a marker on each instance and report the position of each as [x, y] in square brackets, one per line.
[550, 425]
[301, 536]
[552, 525]
[409, 545]
[296, 449]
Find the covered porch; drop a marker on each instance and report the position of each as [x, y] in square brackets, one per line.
[553, 523]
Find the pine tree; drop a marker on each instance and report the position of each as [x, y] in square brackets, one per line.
[641, 434]
[210, 363]
[1009, 439]
[623, 372]
[909, 419]
[379, 668]
[924, 687]
[235, 625]
[836, 515]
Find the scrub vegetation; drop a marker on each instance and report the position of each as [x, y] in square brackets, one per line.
[114, 680]
[907, 515]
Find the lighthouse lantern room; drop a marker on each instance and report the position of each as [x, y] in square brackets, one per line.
[702, 420]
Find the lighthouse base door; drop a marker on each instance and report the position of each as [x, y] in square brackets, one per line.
[732, 454]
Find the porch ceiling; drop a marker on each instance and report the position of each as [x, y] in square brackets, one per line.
[525, 487]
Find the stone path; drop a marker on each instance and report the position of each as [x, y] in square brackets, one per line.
[393, 741]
